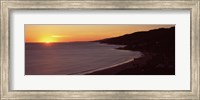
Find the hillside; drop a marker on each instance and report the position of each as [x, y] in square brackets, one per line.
[158, 47]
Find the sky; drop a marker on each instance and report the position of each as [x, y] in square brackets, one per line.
[73, 33]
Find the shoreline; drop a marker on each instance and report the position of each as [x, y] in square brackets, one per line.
[134, 64]
[144, 65]
[106, 68]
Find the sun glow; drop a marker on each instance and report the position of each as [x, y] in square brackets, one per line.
[47, 42]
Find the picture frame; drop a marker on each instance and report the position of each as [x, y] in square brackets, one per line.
[7, 6]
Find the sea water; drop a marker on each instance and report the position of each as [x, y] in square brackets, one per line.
[73, 58]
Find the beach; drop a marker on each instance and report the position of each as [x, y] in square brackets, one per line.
[144, 65]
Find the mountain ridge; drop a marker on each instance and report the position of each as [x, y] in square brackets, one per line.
[157, 46]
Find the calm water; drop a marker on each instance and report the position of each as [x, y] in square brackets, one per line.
[72, 58]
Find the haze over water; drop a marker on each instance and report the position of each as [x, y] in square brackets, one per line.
[72, 58]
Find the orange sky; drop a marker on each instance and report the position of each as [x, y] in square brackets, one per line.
[71, 33]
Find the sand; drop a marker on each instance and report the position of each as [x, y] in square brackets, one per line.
[144, 65]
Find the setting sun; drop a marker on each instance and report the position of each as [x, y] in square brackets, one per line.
[47, 42]
[47, 39]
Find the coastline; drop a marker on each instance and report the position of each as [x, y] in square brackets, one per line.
[117, 70]
[106, 68]
[140, 66]
[117, 67]
[157, 47]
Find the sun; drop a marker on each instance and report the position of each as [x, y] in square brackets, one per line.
[47, 42]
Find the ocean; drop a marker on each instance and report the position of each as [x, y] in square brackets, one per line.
[74, 58]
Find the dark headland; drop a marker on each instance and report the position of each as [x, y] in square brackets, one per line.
[157, 46]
